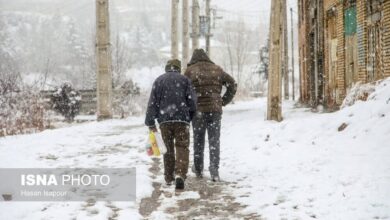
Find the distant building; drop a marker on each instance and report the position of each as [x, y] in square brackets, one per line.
[341, 42]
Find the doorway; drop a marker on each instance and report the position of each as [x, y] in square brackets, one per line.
[374, 40]
[350, 29]
[331, 44]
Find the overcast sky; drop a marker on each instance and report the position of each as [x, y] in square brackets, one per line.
[254, 12]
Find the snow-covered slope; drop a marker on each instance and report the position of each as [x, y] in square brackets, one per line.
[304, 167]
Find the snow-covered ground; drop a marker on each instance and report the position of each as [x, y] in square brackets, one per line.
[304, 168]
[301, 168]
[110, 144]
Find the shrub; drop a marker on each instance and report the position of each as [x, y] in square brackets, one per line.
[126, 101]
[21, 110]
[66, 101]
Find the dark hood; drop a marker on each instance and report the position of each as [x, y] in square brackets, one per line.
[199, 55]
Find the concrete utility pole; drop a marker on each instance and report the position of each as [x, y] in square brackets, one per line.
[274, 108]
[195, 24]
[285, 53]
[292, 56]
[208, 34]
[103, 59]
[186, 39]
[174, 31]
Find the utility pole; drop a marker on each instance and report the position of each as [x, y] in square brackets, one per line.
[186, 39]
[174, 31]
[208, 34]
[292, 55]
[274, 105]
[285, 53]
[103, 59]
[195, 24]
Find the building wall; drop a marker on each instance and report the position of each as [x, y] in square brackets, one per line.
[309, 51]
[321, 52]
[383, 46]
[331, 16]
[335, 89]
[335, 95]
[362, 40]
[386, 40]
[341, 84]
[304, 56]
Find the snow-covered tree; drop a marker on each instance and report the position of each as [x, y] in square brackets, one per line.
[122, 58]
[124, 103]
[237, 39]
[144, 46]
[66, 101]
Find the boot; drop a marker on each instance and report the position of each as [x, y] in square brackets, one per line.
[215, 178]
[198, 174]
[179, 183]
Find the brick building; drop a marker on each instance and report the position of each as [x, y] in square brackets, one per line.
[311, 51]
[355, 45]
[304, 57]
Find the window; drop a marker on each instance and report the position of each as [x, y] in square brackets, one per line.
[350, 24]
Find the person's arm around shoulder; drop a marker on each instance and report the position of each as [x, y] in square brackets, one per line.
[152, 109]
[231, 88]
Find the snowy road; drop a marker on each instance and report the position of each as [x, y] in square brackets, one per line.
[113, 144]
[302, 168]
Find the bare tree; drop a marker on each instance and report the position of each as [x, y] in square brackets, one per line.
[237, 39]
[122, 60]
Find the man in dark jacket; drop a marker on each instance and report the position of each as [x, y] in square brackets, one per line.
[173, 103]
[208, 80]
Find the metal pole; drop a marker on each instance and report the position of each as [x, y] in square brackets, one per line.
[186, 39]
[292, 56]
[195, 24]
[208, 34]
[174, 32]
[274, 105]
[104, 60]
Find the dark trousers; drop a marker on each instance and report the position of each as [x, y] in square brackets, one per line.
[210, 122]
[176, 135]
